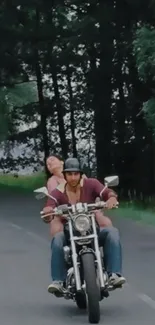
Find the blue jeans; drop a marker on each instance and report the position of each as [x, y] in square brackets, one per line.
[110, 241]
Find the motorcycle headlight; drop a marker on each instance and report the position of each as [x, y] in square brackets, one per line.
[82, 223]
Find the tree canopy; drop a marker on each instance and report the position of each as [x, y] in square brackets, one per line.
[77, 77]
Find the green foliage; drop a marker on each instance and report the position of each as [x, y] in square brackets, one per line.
[149, 111]
[18, 95]
[21, 94]
[144, 49]
[4, 118]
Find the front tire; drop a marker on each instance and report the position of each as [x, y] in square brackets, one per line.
[92, 290]
[81, 300]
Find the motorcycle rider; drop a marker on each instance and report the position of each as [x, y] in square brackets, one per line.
[54, 165]
[76, 189]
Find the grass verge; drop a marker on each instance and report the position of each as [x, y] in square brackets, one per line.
[136, 213]
[23, 183]
[26, 184]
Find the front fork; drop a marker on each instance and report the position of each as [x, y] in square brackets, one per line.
[98, 255]
[74, 258]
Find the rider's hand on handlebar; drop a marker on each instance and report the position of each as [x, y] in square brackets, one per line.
[111, 203]
[99, 203]
[47, 210]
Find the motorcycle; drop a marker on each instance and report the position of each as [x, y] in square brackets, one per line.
[87, 281]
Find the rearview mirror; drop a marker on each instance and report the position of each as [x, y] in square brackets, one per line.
[40, 196]
[111, 181]
[42, 190]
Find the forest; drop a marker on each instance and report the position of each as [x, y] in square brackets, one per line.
[77, 78]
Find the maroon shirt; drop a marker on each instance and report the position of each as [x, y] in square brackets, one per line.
[91, 188]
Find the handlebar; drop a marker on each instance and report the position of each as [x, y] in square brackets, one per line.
[79, 207]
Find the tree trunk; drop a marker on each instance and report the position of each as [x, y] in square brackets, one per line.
[121, 110]
[63, 140]
[40, 94]
[73, 126]
[103, 96]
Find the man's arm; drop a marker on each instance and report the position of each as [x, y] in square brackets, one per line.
[53, 202]
[107, 193]
[99, 190]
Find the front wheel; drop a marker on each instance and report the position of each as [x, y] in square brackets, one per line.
[81, 300]
[92, 290]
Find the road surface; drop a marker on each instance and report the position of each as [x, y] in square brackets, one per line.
[25, 272]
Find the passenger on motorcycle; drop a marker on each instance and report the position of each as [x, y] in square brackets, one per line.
[76, 189]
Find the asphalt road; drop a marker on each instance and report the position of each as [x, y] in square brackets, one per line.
[25, 272]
